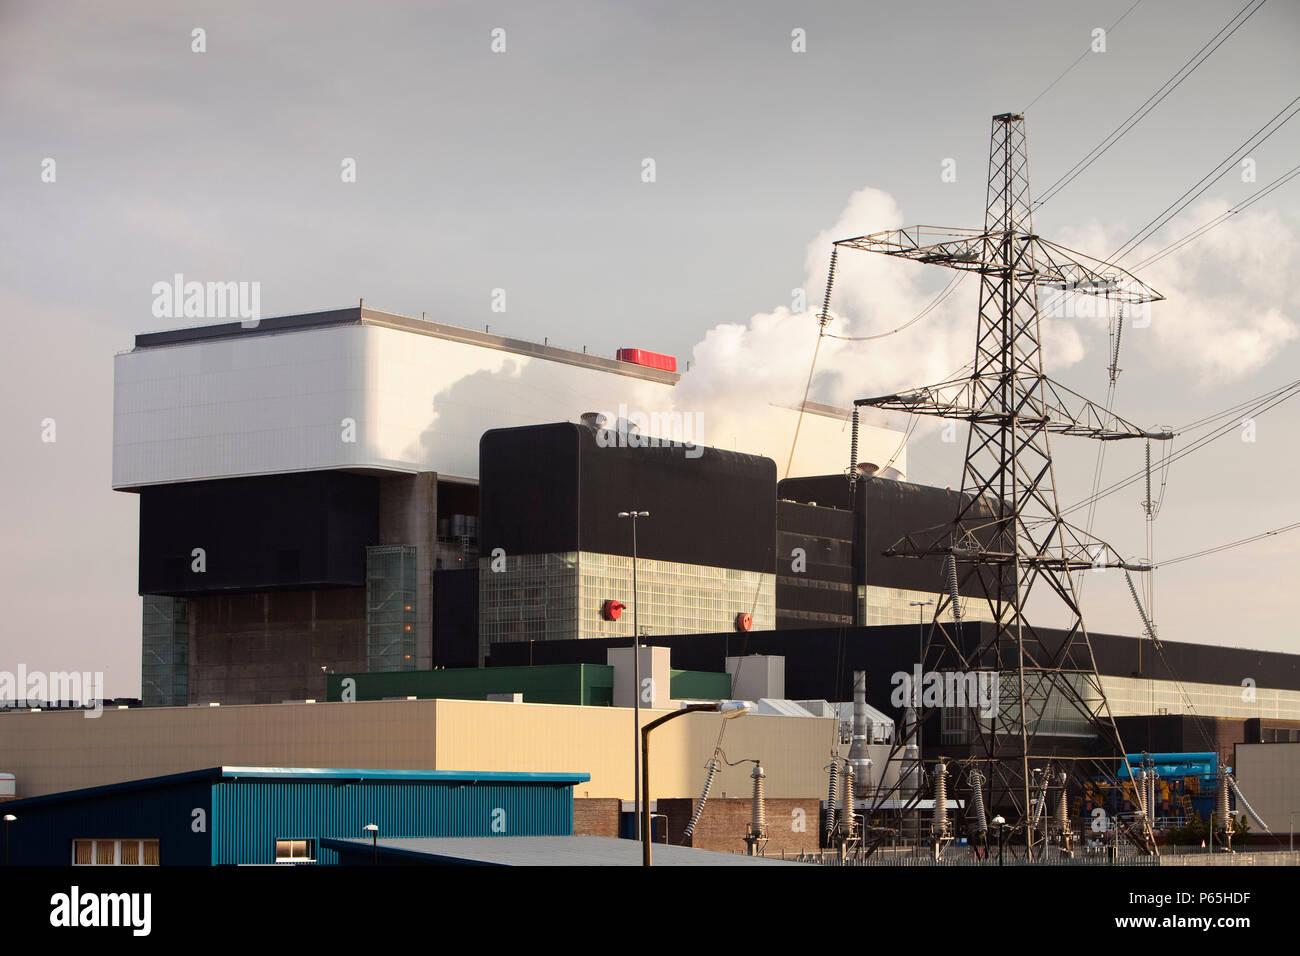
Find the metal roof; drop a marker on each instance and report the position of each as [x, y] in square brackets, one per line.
[541, 851]
[299, 773]
[360, 315]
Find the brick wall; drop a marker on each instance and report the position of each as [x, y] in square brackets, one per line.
[595, 816]
[722, 825]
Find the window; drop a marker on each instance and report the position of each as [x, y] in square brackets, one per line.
[115, 852]
[295, 851]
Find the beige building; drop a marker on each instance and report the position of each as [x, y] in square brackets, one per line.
[52, 751]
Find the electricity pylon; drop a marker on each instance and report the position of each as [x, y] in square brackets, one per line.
[1008, 538]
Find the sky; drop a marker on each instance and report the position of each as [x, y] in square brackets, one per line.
[773, 129]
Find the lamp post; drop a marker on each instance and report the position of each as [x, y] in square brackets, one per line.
[727, 708]
[636, 677]
[999, 821]
[9, 818]
[373, 830]
[920, 656]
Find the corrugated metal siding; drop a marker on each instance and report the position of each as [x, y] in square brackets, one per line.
[249, 815]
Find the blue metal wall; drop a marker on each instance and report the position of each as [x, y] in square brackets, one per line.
[43, 834]
[250, 814]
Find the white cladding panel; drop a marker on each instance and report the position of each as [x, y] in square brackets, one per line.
[269, 404]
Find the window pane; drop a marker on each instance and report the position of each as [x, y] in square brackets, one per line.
[85, 852]
[150, 852]
[283, 849]
[130, 852]
[106, 851]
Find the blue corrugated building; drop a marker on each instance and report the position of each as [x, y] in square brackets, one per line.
[267, 815]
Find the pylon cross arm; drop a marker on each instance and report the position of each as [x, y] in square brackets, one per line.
[1044, 263]
[1054, 409]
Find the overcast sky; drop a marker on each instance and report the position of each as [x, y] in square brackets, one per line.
[522, 170]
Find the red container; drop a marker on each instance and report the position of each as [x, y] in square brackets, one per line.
[666, 363]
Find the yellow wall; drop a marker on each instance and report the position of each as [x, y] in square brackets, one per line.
[52, 751]
[484, 735]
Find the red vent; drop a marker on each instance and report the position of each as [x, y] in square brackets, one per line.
[611, 610]
[744, 621]
[665, 363]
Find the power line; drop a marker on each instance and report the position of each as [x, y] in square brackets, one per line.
[1154, 100]
[1273, 399]
[947, 290]
[1188, 196]
[1216, 221]
[1081, 58]
[1231, 544]
[1236, 409]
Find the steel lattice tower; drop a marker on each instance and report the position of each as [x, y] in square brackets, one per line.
[1008, 540]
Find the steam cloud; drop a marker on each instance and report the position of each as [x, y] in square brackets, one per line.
[1229, 302]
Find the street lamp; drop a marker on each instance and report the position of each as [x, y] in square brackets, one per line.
[727, 708]
[920, 656]
[636, 676]
[373, 830]
[999, 821]
[9, 818]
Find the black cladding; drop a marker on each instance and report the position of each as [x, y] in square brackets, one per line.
[819, 661]
[888, 510]
[555, 488]
[282, 531]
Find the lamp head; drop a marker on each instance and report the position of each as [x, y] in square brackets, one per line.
[734, 708]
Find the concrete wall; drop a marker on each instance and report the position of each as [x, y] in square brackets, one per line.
[52, 751]
[408, 515]
[270, 646]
